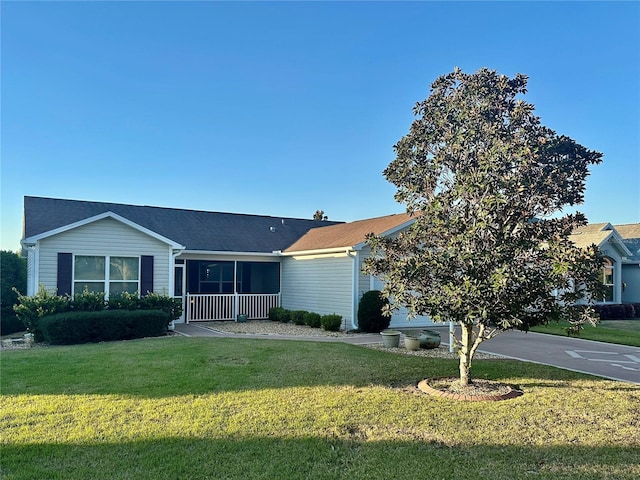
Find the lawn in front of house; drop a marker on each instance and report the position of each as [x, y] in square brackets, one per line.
[622, 332]
[262, 409]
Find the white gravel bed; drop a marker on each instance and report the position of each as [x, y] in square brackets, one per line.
[268, 327]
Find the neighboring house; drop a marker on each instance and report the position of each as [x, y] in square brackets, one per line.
[220, 264]
[630, 234]
[616, 253]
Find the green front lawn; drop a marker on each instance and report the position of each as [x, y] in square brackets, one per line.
[199, 408]
[622, 332]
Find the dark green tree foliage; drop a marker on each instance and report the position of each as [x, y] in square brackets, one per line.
[13, 274]
[372, 316]
[487, 183]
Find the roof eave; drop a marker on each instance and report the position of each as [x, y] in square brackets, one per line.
[231, 253]
[318, 251]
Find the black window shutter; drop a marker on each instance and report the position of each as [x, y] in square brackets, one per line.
[65, 270]
[146, 275]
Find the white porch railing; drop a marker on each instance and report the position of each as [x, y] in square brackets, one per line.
[210, 307]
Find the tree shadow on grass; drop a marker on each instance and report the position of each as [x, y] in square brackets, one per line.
[314, 458]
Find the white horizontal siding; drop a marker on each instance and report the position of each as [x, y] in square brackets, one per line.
[104, 237]
[364, 280]
[320, 284]
[399, 317]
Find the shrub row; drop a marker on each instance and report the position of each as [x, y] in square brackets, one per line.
[30, 310]
[69, 328]
[331, 323]
[618, 311]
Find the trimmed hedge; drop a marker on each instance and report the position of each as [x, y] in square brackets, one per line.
[32, 309]
[370, 312]
[622, 311]
[297, 317]
[331, 323]
[314, 320]
[69, 328]
[275, 313]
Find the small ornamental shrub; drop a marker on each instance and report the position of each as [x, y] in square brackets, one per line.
[370, 316]
[88, 301]
[124, 301]
[31, 309]
[70, 328]
[314, 320]
[331, 323]
[275, 313]
[156, 301]
[297, 317]
[636, 310]
[285, 316]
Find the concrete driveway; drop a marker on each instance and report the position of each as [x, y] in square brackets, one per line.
[616, 362]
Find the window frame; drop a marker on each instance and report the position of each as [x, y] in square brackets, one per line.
[608, 272]
[106, 281]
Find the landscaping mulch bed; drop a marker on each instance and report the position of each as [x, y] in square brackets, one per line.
[478, 390]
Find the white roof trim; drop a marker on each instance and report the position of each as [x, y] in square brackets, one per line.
[35, 238]
[619, 243]
[317, 251]
[229, 253]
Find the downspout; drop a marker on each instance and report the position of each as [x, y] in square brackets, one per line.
[354, 287]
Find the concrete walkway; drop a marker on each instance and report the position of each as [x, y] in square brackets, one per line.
[615, 362]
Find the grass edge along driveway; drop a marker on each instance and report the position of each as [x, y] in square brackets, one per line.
[238, 408]
[621, 332]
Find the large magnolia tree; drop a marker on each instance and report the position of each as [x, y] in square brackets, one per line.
[489, 248]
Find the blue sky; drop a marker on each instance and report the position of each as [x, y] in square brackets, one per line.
[284, 108]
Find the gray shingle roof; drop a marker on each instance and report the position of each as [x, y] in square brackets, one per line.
[630, 234]
[197, 230]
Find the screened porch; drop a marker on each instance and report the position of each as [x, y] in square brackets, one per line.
[222, 290]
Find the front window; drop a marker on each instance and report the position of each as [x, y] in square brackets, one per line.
[607, 279]
[111, 275]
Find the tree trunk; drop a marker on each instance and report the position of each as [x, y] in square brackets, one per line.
[466, 353]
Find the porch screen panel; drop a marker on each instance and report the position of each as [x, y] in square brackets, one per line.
[209, 276]
[258, 277]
